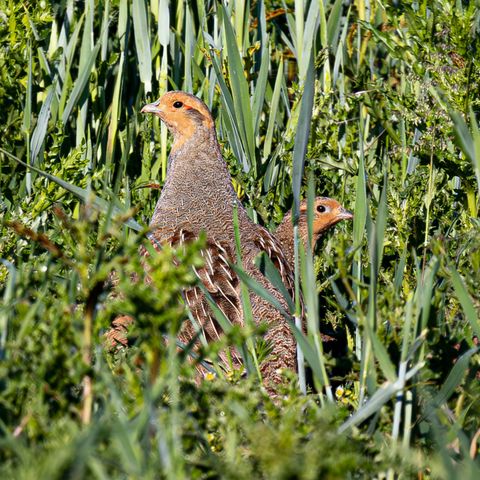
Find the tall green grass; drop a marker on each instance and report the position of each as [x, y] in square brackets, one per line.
[376, 104]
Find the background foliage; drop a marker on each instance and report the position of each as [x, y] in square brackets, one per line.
[383, 100]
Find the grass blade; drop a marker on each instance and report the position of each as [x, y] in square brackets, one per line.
[301, 138]
[378, 399]
[240, 94]
[267, 146]
[142, 43]
[465, 300]
[266, 266]
[38, 136]
[80, 84]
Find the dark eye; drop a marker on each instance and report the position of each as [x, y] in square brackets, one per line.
[321, 209]
[178, 104]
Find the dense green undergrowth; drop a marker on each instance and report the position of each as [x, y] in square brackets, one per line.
[375, 102]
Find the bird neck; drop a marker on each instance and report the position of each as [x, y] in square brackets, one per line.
[284, 233]
[197, 162]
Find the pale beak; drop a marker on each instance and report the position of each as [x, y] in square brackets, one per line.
[345, 214]
[152, 108]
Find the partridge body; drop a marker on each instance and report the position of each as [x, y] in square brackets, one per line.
[198, 197]
[327, 212]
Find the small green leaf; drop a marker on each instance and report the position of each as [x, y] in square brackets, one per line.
[465, 300]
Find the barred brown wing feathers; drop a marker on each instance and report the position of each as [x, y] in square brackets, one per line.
[222, 284]
[218, 278]
[270, 245]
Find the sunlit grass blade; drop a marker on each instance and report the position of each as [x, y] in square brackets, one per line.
[381, 223]
[114, 119]
[240, 94]
[267, 146]
[80, 83]
[400, 270]
[380, 353]
[378, 399]
[260, 86]
[38, 135]
[142, 43]
[299, 16]
[85, 51]
[189, 38]
[299, 152]
[244, 294]
[27, 113]
[309, 31]
[27, 118]
[309, 353]
[71, 47]
[425, 291]
[469, 140]
[301, 137]
[360, 213]
[241, 26]
[309, 292]
[226, 326]
[163, 23]
[334, 24]
[8, 295]
[122, 23]
[229, 117]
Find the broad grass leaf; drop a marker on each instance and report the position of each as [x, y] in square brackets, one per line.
[80, 84]
[360, 214]
[267, 146]
[334, 24]
[142, 43]
[301, 138]
[240, 93]
[38, 136]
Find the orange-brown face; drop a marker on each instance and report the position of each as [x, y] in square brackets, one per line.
[327, 212]
[182, 113]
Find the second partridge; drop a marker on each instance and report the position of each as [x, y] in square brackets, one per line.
[327, 212]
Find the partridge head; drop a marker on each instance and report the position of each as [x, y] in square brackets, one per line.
[185, 115]
[327, 212]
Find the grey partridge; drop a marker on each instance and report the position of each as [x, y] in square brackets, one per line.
[327, 212]
[198, 196]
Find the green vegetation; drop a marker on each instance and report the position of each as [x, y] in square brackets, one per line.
[373, 103]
